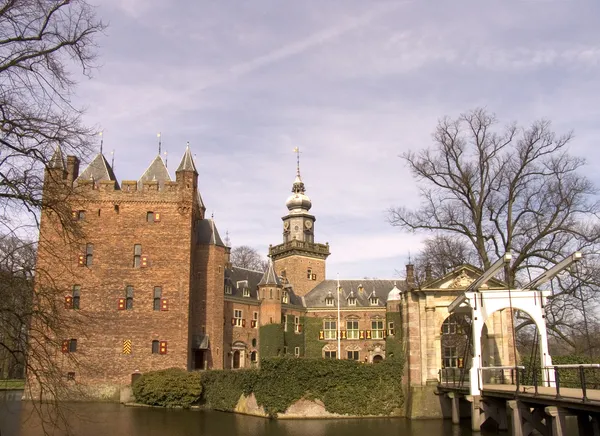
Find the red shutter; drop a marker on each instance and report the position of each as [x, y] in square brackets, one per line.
[314, 277]
[163, 347]
[362, 334]
[144, 261]
[74, 214]
[321, 334]
[164, 304]
[253, 323]
[368, 334]
[68, 302]
[156, 216]
[343, 332]
[65, 346]
[232, 321]
[243, 323]
[82, 260]
[121, 304]
[384, 334]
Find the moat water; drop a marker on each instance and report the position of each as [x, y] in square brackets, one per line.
[107, 419]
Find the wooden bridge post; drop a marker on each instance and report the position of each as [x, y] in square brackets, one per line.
[514, 411]
[557, 420]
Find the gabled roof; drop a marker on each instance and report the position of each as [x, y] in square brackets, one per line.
[157, 171]
[98, 170]
[360, 289]
[207, 233]
[187, 162]
[57, 161]
[460, 278]
[269, 277]
[240, 278]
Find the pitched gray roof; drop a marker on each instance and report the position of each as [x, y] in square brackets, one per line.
[157, 171]
[187, 162]
[239, 278]
[57, 160]
[352, 288]
[269, 277]
[207, 233]
[98, 170]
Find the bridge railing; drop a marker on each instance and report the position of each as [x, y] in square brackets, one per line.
[579, 378]
[454, 377]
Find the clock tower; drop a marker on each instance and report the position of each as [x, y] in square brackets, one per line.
[299, 259]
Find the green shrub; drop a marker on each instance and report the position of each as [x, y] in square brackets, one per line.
[569, 377]
[222, 388]
[171, 387]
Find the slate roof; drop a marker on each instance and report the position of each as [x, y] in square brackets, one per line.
[57, 160]
[98, 170]
[269, 277]
[207, 233]
[316, 297]
[157, 171]
[239, 278]
[187, 162]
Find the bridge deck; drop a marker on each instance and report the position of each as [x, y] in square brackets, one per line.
[566, 394]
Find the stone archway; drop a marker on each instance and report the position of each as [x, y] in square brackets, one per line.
[238, 355]
[378, 358]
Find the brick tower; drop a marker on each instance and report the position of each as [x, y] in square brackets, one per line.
[269, 293]
[299, 259]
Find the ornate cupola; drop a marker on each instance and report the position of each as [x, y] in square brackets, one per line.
[299, 258]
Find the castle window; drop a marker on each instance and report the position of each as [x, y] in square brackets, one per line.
[255, 319]
[286, 297]
[137, 255]
[89, 254]
[329, 300]
[237, 318]
[254, 342]
[157, 297]
[116, 208]
[70, 376]
[78, 215]
[330, 355]
[449, 326]
[330, 329]
[391, 330]
[352, 329]
[150, 217]
[373, 300]
[353, 355]
[351, 301]
[297, 351]
[297, 324]
[129, 297]
[309, 274]
[72, 345]
[76, 296]
[228, 290]
[450, 359]
[246, 292]
[253, 357]
[271, 294]
[284, 322]
[155, 347]
[377, 329]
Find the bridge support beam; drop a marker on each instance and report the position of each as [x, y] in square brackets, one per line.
[524, 419]
[557, 418]
[588, 424]
[455, 401]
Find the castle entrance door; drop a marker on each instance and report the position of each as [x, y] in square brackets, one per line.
[236, 359]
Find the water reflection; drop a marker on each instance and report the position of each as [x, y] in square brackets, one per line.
[102, 419]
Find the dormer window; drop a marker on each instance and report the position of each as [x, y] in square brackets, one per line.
[373, 300]
[228, 290]
[286, 298]
[246, 292]
[351, 300]
[329, 300]
[241, 284]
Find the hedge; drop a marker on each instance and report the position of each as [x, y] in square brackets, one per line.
[344, 386]
[171, 387]
[569, 377]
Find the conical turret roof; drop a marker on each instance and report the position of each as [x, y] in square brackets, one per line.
[187, 162]
[57, 161]
[269, 277]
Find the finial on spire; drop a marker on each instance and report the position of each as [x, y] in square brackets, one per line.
[409, 262]
[166, 159]
[112, 160]
[101, 142]
[297, 151]
[227, 239]
[159, 143]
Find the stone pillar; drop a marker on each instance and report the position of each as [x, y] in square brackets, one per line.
[557, 420]
[475, 373]
[455, 401]
[475, 412]
[432, 365]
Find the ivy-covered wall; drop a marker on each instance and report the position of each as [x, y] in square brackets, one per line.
[313, 346]
[394, 344]
[270, 340]
[291, 339]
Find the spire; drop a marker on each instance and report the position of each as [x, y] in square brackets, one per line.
[57, 161]
[187, 162]
[269, 277]
[298, 186]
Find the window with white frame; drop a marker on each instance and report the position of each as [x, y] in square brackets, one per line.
[377, 329]
[353, 355]
[297, 324]
[330, 329]
[329, 300]
[450, 358]
[237, 318]
[297, 351]
[228, 290]
[330, 355]
[351, 300]
[391, 331]
[285, 298]
[246, 292]
[373, 300]
[449, 326]
[352, 329]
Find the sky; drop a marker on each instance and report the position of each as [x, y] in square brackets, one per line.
[353, 84]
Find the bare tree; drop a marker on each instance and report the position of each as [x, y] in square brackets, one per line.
[247, 257]
[512, 189]
[40, 44]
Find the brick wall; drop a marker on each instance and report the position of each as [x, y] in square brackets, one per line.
[296, 271]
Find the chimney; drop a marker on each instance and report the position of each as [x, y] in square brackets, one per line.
[410, 276]
[72, 169]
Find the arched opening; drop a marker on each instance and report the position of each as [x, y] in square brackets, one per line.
[377, 358]
[236, 359]
[456, 348]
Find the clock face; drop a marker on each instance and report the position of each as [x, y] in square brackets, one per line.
[308, 224]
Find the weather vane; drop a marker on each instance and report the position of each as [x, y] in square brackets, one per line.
[297, 151]
[159, 143]
[101, 142]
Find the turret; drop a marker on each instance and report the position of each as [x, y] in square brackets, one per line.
[186, 174]
[270, 294]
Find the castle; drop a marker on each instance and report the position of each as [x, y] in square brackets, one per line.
[152, 280]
